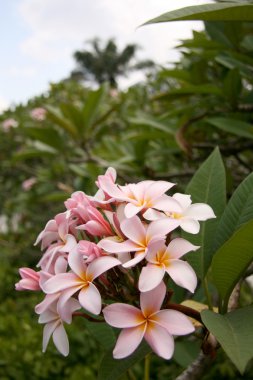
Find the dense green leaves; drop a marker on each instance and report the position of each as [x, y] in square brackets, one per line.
[238, 211]
[231, 260]
[234, 333]
[233, 126]
[208, 185]
[102, 332]
[113, 369]
[208, 12]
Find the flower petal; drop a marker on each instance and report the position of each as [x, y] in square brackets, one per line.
[159, 340]
[60, 282]
[90, 299]
[189, 225]
[200, 211]
[152, 301]
[46, 303]
[122, 315]
[66, 304]
[47, 332]
[76, 263]
[113, 247]
[182, 274]
[101, 265]
[167, 203]
[174, 322]
[150, 277]
[179, 247]
[183, 199]
[134, 229]
[128, 340]
[157, 189]
[131, 210]
[161, 227]
[61, 341]
[137, 258]
[152, 214]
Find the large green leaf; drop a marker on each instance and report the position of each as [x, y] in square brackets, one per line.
[236, 127]
[208, 12]
[113, 369]
[231, 260]
[208, 185]
[102, 332]
[238, 211]
[91, 107]
[56, 116]
[234, 333]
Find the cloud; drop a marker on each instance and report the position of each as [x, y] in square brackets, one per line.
[58, 27]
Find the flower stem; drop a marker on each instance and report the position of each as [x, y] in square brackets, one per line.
[147, 367]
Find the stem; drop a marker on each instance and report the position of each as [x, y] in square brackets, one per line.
[208, 297]
[88, 317]
[147, 367]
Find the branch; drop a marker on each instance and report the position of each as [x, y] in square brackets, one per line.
[197, 369]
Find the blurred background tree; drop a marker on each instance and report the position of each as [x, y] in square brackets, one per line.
[106, 63]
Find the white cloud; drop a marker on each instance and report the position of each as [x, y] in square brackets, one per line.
[57, 27]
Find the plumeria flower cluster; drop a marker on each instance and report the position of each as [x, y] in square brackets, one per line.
[112, 255]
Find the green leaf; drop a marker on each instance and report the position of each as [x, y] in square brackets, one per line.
[148, 121]
[238, 211]
[56, 116]
[113, 369]
[234, 333]
[236, 127]
[48, 136]
[231, 260]
[205, 89]
[208, 12]
[102, 332]
[232, 86]
[91, 107]
[207, 186]
[186, 352]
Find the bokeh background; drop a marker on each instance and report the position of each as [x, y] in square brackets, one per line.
[77, 95]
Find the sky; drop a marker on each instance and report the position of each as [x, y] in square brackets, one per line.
[38, 38]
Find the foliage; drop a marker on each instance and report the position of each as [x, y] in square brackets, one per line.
[165, 128]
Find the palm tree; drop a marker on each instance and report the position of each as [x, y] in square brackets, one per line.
[107, 63]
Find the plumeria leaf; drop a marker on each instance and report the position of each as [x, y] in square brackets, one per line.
[113, 369]
[208, 12]
[185, 352]
[102, 332]
[238, 211]
[234, 333]
[235, 127]
[231, 260]
[207, 186]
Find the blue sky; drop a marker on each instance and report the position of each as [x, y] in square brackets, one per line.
[38, 37]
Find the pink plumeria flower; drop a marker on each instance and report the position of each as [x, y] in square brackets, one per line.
[96, 224]
[9, 123]
[102, 198]
[54, 326]
[30, 280]
[29, 183]
[77, 205]
[38, 113]
[80, 280]
[140, 236]
[162, 259]
[154, 325]
[89, 250]
[141, 196]
[186, 213]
